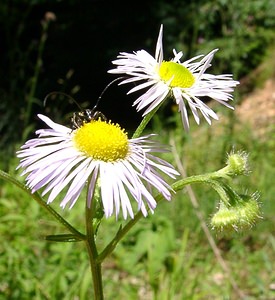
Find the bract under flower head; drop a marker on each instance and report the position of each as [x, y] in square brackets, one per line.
[60, 158]
[186, 81]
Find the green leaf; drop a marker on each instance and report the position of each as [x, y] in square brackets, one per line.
[63, 238]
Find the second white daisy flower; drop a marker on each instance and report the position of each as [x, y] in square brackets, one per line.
[185, 81]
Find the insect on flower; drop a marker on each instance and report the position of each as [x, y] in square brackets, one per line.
[85, 116]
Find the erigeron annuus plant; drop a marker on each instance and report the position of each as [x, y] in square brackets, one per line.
[122, 175]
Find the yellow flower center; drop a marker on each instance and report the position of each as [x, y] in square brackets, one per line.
[176, 75]
[102, 141]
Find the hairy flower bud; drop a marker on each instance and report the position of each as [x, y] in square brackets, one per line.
[237, 163]
[239, 216]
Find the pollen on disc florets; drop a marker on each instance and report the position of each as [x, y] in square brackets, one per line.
[176, 75]
[102, 140]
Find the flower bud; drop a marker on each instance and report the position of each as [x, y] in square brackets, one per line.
[239, 216]
[237, 163]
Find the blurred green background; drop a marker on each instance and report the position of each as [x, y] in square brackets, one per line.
[68, 46]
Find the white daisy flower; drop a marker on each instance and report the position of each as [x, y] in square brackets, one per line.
[185, 81]
[126, 168]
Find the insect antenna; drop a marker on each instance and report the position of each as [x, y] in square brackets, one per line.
[63, 94]
[105, 89]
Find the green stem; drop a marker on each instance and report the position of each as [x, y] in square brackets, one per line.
[144, 123]
[42, 203]
[92, 252]
[209, 178]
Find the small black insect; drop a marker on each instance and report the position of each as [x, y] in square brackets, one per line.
[85, 116]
